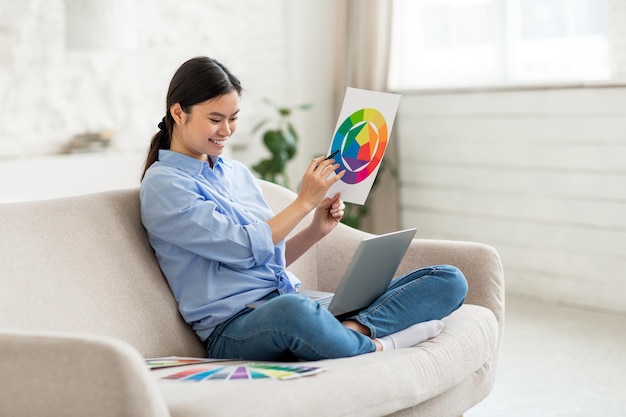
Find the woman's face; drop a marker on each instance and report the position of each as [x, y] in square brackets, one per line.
[206, 128]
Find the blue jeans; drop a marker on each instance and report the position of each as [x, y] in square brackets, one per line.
[291, 326]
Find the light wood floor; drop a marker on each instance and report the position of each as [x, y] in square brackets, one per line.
[558, 362]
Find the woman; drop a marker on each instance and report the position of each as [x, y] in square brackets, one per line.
[221, 247]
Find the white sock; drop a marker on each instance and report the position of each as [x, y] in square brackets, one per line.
[411, 336]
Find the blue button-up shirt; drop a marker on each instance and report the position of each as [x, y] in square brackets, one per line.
[209, 232]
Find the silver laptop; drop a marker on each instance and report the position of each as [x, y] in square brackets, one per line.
[368, 276]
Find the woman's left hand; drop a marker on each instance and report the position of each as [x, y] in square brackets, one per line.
[328, 214]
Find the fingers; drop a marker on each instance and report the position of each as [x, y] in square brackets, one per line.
[337, 207]
[324, 167]
[338, 210]
[339, 175]
[315, 164]
[320, 165]
[318, 178]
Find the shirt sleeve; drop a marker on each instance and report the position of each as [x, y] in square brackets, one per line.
[175, 212]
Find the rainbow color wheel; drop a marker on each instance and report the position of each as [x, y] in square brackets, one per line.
[361, 139]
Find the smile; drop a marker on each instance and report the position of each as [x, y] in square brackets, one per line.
[218, 142]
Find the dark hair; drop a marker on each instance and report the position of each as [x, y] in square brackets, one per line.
[195, 81]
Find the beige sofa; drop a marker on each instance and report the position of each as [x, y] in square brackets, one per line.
[83, 302]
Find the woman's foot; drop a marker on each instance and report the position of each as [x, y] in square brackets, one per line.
[410, 336]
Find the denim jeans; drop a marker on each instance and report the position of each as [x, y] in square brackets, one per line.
[291, 326]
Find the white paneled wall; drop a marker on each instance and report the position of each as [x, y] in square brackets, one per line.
[541, 175]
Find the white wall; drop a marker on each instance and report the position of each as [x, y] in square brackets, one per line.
[541, 175]
[538, 174]
[279, 49]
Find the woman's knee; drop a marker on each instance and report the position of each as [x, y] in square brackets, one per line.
[455, 282]
[292, 310]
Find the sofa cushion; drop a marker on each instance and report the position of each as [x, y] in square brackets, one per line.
[377, 383]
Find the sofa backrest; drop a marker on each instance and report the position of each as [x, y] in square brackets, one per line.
[84, 264]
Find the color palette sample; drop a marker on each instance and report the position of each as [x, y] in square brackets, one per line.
[244, 372]
[171, 361]
[362, 139]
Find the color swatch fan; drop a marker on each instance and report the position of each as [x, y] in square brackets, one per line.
[249, 371]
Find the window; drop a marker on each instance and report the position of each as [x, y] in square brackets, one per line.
[451, 43]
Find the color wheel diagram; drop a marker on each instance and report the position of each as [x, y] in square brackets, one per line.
[361, 139]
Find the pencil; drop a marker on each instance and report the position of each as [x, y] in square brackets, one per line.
[332, 155]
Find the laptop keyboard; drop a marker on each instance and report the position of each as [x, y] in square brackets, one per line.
[325, 302]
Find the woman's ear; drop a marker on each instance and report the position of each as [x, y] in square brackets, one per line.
[177, 114]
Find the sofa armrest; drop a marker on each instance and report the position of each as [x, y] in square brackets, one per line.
[56, 374]
[480, 263]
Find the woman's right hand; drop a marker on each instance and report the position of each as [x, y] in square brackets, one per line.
[317, 180]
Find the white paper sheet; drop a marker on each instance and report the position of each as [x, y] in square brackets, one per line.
[362, 136]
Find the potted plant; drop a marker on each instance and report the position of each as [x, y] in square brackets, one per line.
[281, 140]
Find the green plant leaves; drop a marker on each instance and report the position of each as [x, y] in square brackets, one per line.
[281, 141]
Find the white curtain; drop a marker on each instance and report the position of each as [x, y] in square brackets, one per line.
[361, 61]
[362, 48]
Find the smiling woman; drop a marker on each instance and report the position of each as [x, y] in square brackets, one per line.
[221, 247]
[202, 100]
